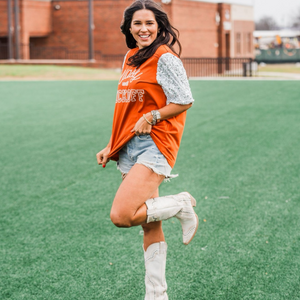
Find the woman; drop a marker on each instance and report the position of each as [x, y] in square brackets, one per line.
[152, 99]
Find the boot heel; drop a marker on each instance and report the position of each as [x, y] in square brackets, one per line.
[193, 200]
[186, 243]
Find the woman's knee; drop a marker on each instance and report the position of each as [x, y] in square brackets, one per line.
[120, 219]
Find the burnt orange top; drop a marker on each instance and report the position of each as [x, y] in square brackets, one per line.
[152, 86]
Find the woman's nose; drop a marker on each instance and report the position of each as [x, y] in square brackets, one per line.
[143, 28]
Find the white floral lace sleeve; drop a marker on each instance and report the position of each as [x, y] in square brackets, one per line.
[172, 77]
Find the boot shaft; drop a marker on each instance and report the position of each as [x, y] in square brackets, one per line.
[155, 265]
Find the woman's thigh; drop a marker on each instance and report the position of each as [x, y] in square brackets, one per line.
[140, 184]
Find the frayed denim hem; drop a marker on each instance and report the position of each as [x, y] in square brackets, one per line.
[155, 170]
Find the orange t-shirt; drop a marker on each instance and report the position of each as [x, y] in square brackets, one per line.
[157, 82]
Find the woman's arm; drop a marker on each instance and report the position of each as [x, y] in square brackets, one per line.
[166, 112]
[170, 111]
[171, 76]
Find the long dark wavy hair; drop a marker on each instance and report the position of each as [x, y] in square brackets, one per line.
[167, 35]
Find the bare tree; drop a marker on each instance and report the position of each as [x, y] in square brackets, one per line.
[296, 19]
[266, 23]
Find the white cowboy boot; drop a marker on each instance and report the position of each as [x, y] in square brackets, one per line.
[179, 206]
[155, 265]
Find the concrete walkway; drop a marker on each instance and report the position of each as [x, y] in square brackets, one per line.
[293, 76]
[261, 76]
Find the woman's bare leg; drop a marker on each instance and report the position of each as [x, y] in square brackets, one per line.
[153, 232]
[129, 207]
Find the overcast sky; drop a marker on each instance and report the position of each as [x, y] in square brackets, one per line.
[281, 10]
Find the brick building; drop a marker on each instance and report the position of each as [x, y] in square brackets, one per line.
[58, 29]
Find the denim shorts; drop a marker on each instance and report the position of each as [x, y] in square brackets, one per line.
[142, 150]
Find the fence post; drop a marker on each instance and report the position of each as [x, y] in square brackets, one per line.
[91, 30]
[220, 65]
[17, 31]
[9, 29]
[250, 67]
[244, 69]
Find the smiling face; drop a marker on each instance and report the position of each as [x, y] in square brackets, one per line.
[144, 27]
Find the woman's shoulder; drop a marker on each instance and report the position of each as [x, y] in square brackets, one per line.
[164, 49]
[131, 52]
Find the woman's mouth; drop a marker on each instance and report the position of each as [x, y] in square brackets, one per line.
[144, 36]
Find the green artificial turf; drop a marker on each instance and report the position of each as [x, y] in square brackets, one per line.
[239, 158]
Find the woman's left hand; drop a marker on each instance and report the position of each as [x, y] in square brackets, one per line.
[142, 127]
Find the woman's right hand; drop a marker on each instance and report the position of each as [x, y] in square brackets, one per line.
[102, 156]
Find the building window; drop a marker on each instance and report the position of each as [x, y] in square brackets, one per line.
[249, 43]
[238, 44]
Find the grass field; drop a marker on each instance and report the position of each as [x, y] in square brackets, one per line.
[239, 158]
[50, 72]
[280, 68]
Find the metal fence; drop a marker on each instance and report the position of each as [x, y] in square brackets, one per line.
[222, 66]
[3, 51]
[195, 67]
[41, 52]
[104, 60]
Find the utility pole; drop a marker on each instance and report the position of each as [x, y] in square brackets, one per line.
[17, 39]
[9, 31]
[91, 29]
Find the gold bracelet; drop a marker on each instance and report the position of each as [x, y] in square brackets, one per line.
[147, 120]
